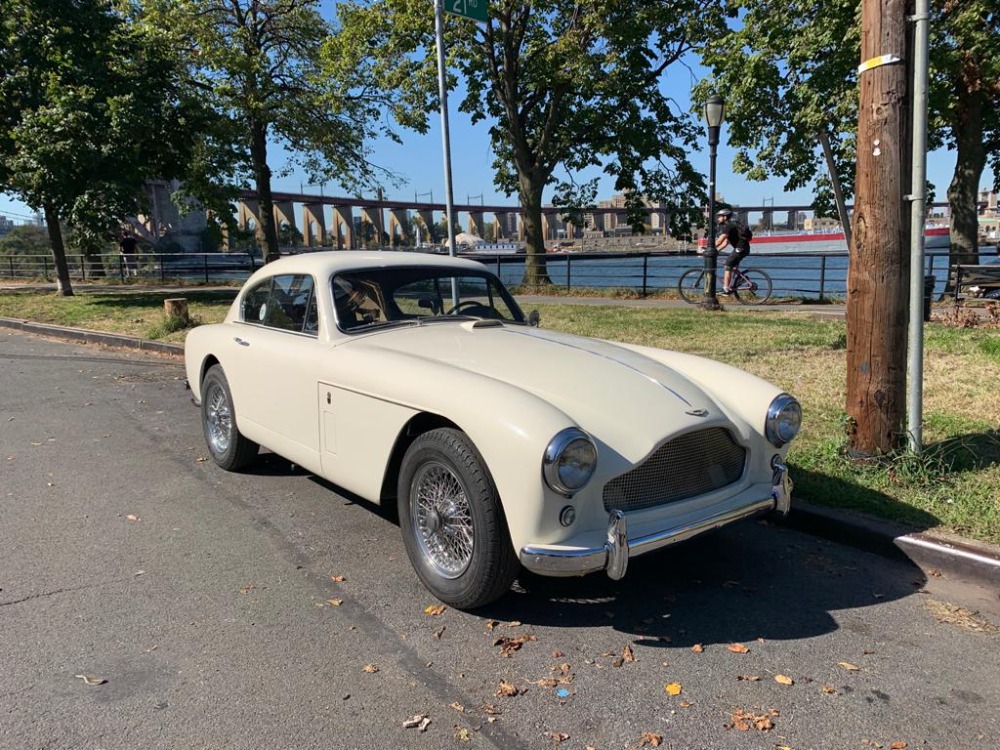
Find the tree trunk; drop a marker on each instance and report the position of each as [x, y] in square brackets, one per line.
[963, 192]
[63, 285]
[262, 175]
[535, 271]
[878, 274]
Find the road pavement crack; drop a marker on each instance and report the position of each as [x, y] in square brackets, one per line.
[56, 592]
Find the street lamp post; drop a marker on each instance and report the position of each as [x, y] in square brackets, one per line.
[715, 110]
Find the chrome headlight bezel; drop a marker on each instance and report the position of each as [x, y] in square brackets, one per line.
[558, 474]
[784, 419]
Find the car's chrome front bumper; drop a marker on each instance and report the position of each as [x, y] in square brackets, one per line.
[613, 557]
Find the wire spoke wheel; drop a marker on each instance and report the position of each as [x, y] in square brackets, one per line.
[442, 519]
[691, 286]
[753, 288]
[218, 418]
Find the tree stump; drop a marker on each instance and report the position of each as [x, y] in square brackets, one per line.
[176, 308]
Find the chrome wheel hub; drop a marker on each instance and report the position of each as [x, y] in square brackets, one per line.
[441, 519]
[218, 419]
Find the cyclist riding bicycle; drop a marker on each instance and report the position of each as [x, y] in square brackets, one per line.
[734, 233]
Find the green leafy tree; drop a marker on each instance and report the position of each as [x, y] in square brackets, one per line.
[258, 63]
[561, 85]
[788, 71]
[90, 107]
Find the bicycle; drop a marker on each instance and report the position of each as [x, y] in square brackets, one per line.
[750, 287]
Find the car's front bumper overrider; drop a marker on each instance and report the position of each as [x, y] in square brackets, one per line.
[613, 557]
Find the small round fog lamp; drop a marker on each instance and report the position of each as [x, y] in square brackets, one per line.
[567, 515]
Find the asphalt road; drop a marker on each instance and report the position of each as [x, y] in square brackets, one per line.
[202, 600]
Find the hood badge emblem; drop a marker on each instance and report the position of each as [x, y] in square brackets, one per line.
[697, 412]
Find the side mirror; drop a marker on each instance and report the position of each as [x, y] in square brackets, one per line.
[534, 319]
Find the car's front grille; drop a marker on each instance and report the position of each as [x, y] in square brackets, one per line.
[684, 467]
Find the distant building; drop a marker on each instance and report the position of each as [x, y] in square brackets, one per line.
[5, 225]
[821, 224]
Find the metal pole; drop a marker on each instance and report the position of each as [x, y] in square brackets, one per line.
[710, 300]
[918, 198]
[445, 137]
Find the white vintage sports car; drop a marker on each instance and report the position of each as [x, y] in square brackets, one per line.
[416, 379]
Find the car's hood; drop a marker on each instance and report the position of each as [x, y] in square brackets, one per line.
[600, 385]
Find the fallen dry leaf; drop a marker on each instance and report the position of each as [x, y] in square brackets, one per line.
[91, 680]
[334, 602]
[697, 648]
[490, 710]
[848, 666]
[508, 689]
[782, 679]
[434, 609]
[650, 738]
[963, 618]
[369, 669]
[462, 734]
[558, 654]
[748, 678]
[672, 688]
[129, 517]
[420, 721]
[744, 721]
[509, 645]
[685, 704]
[737, 648]
[898, 744]
[338, 579]
[627, 654]
[458, 707]
[248, 588]
[490, 624]
[829, 690]
[557, 736]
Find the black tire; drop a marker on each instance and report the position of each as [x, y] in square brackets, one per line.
[755, 289]
[691, 286]
[453, 524]
[228, 447]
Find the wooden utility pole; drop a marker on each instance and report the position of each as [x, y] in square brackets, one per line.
[877, 278]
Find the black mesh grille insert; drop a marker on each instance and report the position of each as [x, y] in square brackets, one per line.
[687, 466]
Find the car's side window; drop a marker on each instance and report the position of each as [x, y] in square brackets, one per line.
[255, 302]
[286, 302]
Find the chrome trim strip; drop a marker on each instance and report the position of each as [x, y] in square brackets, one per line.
[617, 545]
[573, 562]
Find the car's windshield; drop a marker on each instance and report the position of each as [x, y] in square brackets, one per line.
[378, 296]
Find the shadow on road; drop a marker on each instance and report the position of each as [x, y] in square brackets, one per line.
[752, 580]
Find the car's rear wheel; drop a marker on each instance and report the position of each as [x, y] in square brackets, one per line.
[228, 447]
[452, 522]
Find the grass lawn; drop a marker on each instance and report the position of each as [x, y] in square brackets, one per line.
[953, 486]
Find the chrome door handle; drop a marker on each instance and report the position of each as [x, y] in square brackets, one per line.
[241, 342]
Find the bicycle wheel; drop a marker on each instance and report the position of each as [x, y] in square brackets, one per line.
[754, 287]
[691, 286]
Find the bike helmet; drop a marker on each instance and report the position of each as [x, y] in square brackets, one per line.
[724, 212]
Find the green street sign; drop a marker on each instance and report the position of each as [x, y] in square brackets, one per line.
[474, 9]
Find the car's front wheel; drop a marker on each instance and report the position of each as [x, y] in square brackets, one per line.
[452, 521]
[228, 447]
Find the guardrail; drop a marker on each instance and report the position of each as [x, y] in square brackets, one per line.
[821, 276]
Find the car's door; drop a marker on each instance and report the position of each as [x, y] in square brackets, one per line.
[276, 366]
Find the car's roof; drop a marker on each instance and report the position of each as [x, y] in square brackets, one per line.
[328, 262]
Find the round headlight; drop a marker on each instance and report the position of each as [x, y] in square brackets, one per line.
[569, 461]
[784, 417]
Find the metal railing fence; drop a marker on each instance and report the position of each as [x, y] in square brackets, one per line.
[820, 276]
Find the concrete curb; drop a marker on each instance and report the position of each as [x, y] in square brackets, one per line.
[113, 340]
[974, 563]
[936, 554]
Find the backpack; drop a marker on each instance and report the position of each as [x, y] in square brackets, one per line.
[746, 234]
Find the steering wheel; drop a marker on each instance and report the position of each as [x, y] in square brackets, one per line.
[470, 304]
